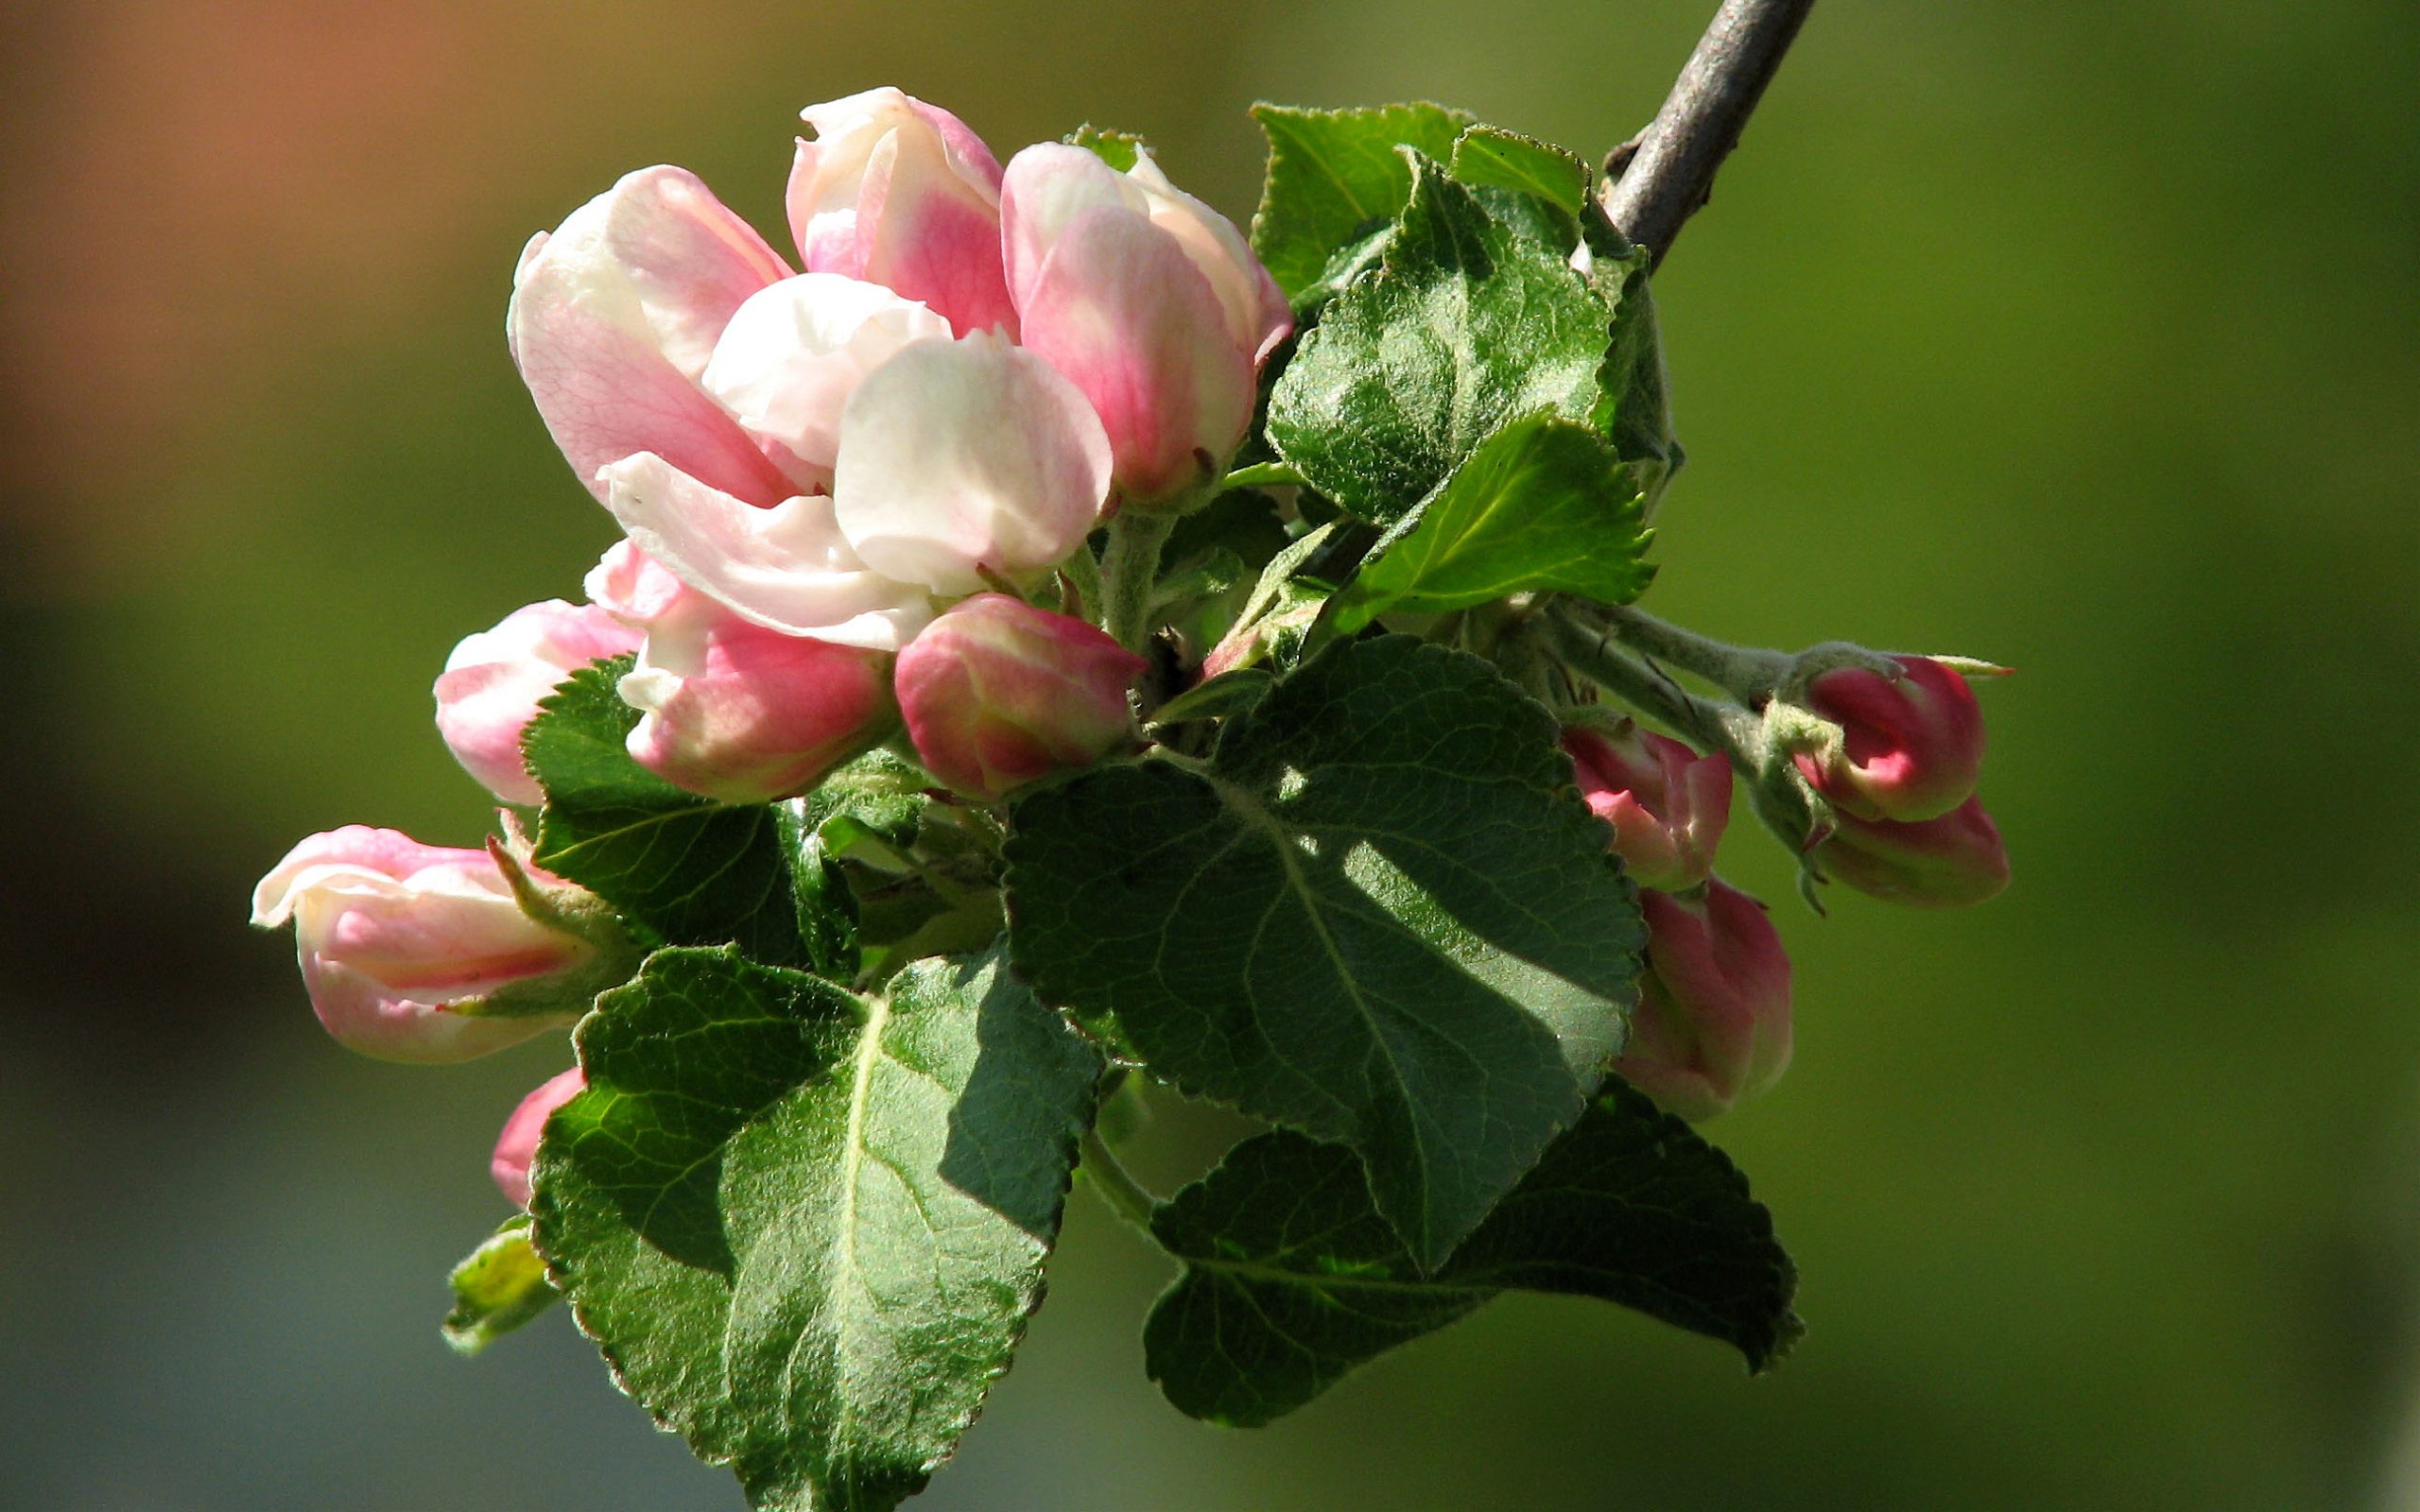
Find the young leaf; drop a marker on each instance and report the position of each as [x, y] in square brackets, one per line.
[1634, 409]
[1526, 182]
[689, 869]
[1380, 914]
[877, 797]
[1332, 174]
[1118, 148]
[806, 1228]
[1467, 323]
[501, 1285]
[1542, 505]
[1291, 1278]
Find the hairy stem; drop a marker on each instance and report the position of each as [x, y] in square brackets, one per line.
[1126, 1197]
[1746, 673]
[1666, 171]
[1129, 568]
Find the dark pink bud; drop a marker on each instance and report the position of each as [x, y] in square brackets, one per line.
[518, 1143]
[1912, 747]
[997, 693]
[1944, 862]
[1668, 804]
[1712, 1019]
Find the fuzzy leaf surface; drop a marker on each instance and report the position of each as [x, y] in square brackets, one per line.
[807, 1227]
[1468, 322]
[1332, 174]
[1380, 914]
[1544, 504]
[687, 870]
[1291, 1279]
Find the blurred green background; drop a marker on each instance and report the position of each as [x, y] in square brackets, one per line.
[2079, 337]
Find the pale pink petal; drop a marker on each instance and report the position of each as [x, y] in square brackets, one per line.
[795, 351]
[1122, 311]
[518, 1144]
[958, 457]
[788, 568]
[616, 315]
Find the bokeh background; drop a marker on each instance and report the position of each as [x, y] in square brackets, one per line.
[2081, 337]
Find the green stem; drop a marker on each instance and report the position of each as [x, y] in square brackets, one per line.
[1591, 651]
[1083, 575]
[1259, 476]
[1129, 569]
[1127, 1197]
[1745, 673]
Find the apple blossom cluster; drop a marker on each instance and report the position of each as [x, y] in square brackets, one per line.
[823, 475]
[1060, 647]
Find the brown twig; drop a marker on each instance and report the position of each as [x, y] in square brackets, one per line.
[1658, 179]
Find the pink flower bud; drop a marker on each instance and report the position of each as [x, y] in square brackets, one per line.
[1942, 863]
[1668, 804]
[997, 693]
[734, 711]
[398, 941]
[614, 316]
[494, 681]
[1149, 300]
[518, 1144]
[900, 192]
[1913, 747]
[1712, 1019]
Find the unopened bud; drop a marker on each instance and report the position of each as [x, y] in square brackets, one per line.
[1939, 863]
[518, 1144]
[1910, 747]
[997, 693]
[1668, 804]
[420, 952]
[1712, 1019]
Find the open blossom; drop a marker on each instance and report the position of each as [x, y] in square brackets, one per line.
[401, 942]
[494, 680]
[900, 192]
[732, 710]
[1912, 745]
[518, 1144]
[997, 693]
[1712, 1019]
[1149, 300]
[1947, 862]
[1668, 804]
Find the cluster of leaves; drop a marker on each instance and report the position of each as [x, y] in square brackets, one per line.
[804, 1203]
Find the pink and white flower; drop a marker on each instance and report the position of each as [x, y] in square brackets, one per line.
[900, 192]
[494, 680]
[403, 944]
[1150, 300]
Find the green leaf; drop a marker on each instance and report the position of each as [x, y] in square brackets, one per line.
[1468, 323]
[1291, 1279]
[807, 1227]
[501, 1285]
[1486, 156]
[1634, 409]
[1332, 174]
[1536, 188]
[1119, 149]
[686, 868]
[1542, 505]
[878, 799]
[1379, 914]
